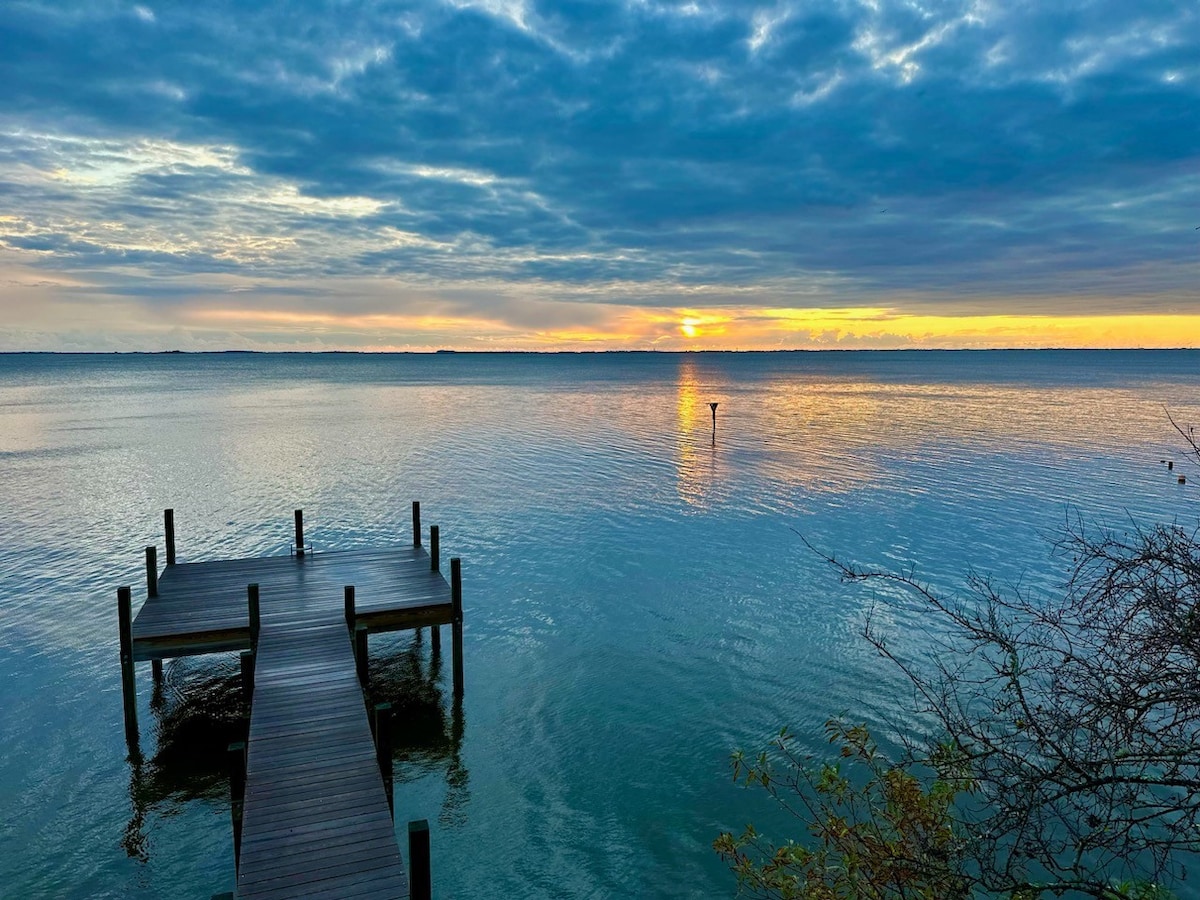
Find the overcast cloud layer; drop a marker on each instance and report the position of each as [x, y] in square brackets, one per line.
[507, 173]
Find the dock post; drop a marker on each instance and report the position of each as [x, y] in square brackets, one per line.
[128, 684]
[383, 750]
[247, 659]
[350, 611]
[151, 571]
[255, 615]
[360, 654]
[435, 564]
[156, 670]
[416, 523]
[237, 796]
[420, 880]
[299, 532]
[169, 529]
[456, 625]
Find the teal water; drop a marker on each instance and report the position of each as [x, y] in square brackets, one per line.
[638, 602]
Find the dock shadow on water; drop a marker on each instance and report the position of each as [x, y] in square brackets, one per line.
[427, 727]
[199, 709]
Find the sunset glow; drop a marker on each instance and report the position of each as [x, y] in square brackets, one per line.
[645, 176]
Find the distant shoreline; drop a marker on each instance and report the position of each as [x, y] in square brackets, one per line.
[449, 352]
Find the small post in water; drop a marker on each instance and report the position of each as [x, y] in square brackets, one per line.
[254, 613]
[237, 796]
[128, 684]
[156, 670]
[420, 880]
[151, 572]
[713, 407]
[456, 623]
[299, 532]
[169, 529]
[416, 523]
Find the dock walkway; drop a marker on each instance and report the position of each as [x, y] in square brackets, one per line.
[316, 818]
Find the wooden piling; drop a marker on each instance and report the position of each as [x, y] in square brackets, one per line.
[151, 572]
[299, 532]
[360, 654]
[383, 750]
[456, 624]
[237, 796]
[169, 530]
[349, 601]
[435, 565]
[156, 670]
[420, 878]
[255, 614]
[247, 659]
[416, 523]
[128, 684]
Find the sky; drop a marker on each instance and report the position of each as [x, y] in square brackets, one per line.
[576, 175]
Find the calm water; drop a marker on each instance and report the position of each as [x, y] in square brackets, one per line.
[637, 602]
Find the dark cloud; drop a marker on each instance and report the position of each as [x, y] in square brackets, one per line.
[1017, 148]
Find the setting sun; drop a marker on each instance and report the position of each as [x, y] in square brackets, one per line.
[688, 327]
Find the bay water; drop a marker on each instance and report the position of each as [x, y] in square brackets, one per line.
[639, 601]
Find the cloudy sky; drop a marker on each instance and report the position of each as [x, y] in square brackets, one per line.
[517, 174]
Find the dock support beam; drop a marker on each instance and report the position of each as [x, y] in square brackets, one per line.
[360, 654]
[151, 572]
[350, 611]
[383, 750]
[456, 624]
[435, 564]
[237, 796]
[169, 529]
[416, 523]
[420, 880]
[255, 615]
[299, 532]
[128, 684]
[247, 659]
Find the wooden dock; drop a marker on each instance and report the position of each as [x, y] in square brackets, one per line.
[311, 795]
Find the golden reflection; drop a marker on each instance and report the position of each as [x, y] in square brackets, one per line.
[696, 465]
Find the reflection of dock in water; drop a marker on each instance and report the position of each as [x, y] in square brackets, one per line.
[312, 805]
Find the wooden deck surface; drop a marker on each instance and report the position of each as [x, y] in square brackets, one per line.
[201, 607]
[315, 820]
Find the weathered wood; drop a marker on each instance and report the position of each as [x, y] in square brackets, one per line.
[360, 655]
[316, 816]
[416, 513]
[317, 819]
[169, 533]
[435, 565]
[420, 878]
[299, 515]
[247, 659]
[456, 623]
[254, 614]
[151, 572]
[383, 749]
[128, 683]
[237, 796]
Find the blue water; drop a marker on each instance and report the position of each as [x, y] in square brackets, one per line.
[638, 602]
